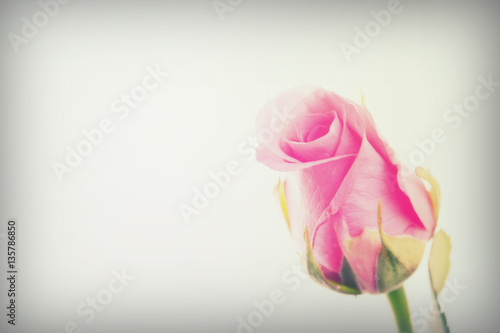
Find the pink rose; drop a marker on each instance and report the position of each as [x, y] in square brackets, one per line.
[361, 224]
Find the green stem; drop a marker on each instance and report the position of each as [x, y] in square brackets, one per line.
[399, 305]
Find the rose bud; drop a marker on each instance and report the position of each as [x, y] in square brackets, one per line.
[360, 221]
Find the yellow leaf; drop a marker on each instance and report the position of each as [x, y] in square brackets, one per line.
[434, 193]
[280, 190]
[439, 260]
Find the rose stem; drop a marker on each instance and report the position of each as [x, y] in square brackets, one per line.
[399, 305]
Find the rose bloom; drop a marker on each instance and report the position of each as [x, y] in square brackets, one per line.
[361, 224]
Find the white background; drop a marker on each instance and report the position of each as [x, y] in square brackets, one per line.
[120, 208]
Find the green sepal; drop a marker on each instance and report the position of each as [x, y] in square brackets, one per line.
[317, 275]
[399, 257]
[347, 275]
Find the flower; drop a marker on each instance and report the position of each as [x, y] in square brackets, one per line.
[360, 222]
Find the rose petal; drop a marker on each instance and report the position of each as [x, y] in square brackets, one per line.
[361, 252]
[316, 150]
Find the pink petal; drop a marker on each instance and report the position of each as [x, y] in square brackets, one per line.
[361, 252]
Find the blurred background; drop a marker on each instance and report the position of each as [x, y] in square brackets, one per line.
[157, 97]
